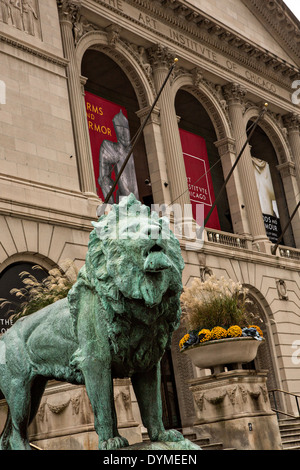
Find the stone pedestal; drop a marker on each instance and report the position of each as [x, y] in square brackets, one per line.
[65, 419]
[233, 408]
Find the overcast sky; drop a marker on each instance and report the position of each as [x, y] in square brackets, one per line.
[294, 5]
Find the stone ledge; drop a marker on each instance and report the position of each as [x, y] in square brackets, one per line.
[173, 446]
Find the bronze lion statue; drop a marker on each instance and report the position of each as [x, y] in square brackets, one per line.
[117, 321]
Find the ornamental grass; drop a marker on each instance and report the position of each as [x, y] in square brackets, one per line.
[35, 294]
[215, 302]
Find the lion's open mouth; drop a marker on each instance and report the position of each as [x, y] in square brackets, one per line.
[156, 260]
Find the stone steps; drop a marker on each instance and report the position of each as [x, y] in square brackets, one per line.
[290, 433]
[205, 443]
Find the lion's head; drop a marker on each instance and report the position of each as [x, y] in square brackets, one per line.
[136, 250]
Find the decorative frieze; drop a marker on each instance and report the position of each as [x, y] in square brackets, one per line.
[230, 395]
[22, 15]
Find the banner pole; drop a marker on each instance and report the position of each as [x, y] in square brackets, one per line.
[234, 166]
[118, 176]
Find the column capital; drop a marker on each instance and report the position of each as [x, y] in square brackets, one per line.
[292, 122]
[225, 145]
[286, 169]
[154, 118]
[234, 93]
[160, 56]
[68, 9]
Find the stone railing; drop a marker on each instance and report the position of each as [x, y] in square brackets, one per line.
[238, 241]
[224, 238]
[287, 252]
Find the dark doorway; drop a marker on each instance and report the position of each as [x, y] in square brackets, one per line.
[171, 415]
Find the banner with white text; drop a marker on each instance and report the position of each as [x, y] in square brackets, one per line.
[267, 199]
[199, 177]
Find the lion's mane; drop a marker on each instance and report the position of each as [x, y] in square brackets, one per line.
[130, 297]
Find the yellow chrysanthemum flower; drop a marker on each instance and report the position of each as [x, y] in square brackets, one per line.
[218, 333]
[204, 335]
[234, 331]
[184, 340]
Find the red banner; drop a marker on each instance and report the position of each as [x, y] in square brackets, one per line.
[110, 139]
[198, 176]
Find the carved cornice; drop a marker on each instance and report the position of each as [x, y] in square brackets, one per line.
[189, 20]
[40, 54]
[280, 22]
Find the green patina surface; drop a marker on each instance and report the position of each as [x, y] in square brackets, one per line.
[117, 321]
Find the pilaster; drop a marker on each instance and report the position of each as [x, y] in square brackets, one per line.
[156, 156]
[292, 124]
[226, 148]
[288, 176]
[68, 13]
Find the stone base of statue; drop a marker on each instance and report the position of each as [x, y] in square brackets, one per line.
[163, 446]
[233, 408]
[65, 419]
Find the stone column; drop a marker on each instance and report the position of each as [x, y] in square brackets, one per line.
[161, 59]
[292, 124]
[226, 149]
[155, 156]
[291, 190]
[234, 95]
[68, 11]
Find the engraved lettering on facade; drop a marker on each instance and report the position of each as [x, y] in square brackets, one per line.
[118, 4]
[260, 81]
[193, 45]
[148, 21]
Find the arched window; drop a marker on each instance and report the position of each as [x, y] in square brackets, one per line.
[111, 105]
[270, 187]
[204, 170]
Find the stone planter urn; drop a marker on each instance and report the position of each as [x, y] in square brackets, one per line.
[215, 355]
[232, 406]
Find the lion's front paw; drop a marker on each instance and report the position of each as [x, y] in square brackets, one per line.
[170, 436]
[114, 443]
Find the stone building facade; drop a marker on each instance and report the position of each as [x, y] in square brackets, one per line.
[232, 60]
